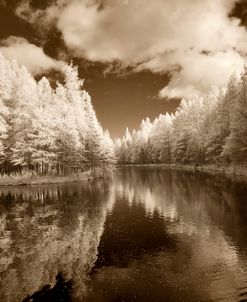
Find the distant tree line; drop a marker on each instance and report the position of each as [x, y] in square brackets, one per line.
[204, 130]
[47, 129]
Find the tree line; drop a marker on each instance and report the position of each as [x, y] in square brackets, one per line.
[204, 130]
[47, 129]
[56, 130]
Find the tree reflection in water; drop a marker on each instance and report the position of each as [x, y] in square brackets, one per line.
[47, 230]
[149, 234]
[59, 293]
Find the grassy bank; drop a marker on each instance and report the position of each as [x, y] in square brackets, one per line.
[31, 178]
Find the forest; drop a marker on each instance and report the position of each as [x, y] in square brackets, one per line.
[204, 130]
[55, 130]
[45, 129]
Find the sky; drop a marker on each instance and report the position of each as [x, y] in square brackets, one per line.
[138, 57]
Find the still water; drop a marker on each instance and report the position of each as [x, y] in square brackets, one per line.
[147, 234]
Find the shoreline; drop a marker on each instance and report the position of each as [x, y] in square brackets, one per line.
[235, 172]
[29, 179]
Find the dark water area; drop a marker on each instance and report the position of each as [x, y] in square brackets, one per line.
[148, 234]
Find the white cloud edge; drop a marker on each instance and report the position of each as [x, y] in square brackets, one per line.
[29, 55]
[163, 34]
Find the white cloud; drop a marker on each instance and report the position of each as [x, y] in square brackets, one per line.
[29, 55]
[161, 33]
[157, 35]
[200, 72]
[42, 17]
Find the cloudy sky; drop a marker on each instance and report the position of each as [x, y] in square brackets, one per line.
[138, 57]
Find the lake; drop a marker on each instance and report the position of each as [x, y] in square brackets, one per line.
[146, 234]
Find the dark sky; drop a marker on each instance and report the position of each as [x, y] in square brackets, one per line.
[124, 67]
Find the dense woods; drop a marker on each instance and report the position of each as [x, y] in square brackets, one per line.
[45, 129]
[204, 130]
[55, 129]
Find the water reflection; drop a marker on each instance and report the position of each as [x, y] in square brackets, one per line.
[47, 230]
[172, 236]
[60, 292]
[149, 234]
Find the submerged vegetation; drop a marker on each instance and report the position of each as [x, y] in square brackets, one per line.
[208, 131]
[48, 131]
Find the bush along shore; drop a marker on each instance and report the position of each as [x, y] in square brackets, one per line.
[32, 178]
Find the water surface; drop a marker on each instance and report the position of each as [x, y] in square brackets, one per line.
[148, 234]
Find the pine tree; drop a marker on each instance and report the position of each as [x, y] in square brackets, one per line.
[108, 149]
[94, 135]
[43, 138]
[236, 144]
[181, 134]
[43, 129]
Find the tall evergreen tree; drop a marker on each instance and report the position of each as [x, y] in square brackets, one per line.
[236, 144]
[46, 129]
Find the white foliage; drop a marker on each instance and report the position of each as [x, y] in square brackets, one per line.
[43, 128]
